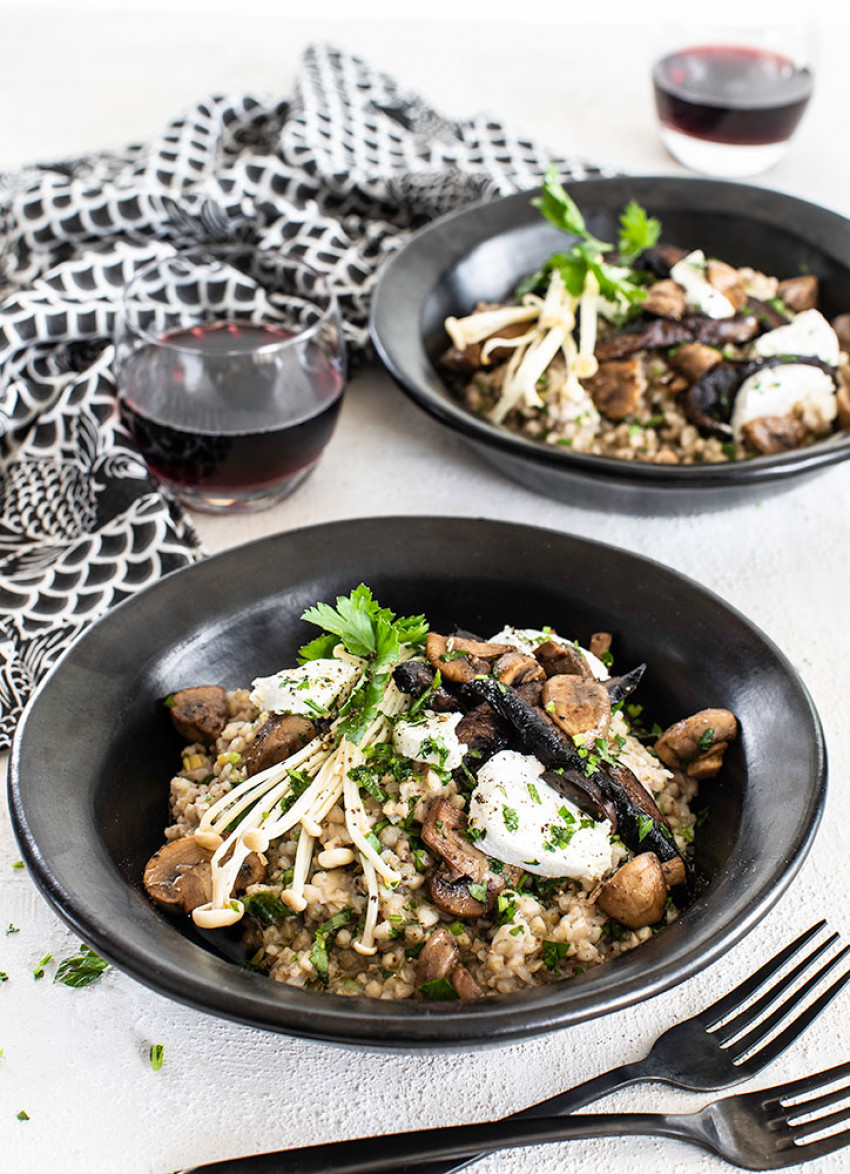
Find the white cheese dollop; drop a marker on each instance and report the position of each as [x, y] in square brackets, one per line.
[699, 292]
[528, 823]
[776, 391]
[433, 741]
[527, 639]
[311, 689]
[808, 333]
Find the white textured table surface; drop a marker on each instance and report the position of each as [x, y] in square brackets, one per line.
[77, 1061]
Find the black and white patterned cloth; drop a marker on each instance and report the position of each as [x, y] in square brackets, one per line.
[340, 175]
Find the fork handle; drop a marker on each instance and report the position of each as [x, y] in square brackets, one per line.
[397, 1151]
[561, 1104]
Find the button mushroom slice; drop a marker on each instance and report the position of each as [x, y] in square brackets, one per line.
[465, 985]
[438, 958]
[578, 705]
[728, 280]
[416, 677]
[452, 895]
[666, 299]
[600, 643]
[562, 660]
[178, 876]
[443, 832]
[617, 387]
[444, 654]
[696, 744]
[200, 713]
[276, 740]
[518, 668]
[636, 895]
[693, 360]
[773, 434]
[531, 691]
[841, 326]
[799, 293]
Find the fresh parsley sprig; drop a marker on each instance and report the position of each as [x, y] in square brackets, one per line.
[637, 231]
[371, 632]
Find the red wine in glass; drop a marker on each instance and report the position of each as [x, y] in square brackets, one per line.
[227, 412]
[729, 109]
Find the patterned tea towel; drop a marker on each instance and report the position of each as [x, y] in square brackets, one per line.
[341, 174]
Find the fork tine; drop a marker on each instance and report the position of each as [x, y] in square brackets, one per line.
[749, 1041]
[820, 1149]
[729, 1030]
[825, 1101]
[809, 1127]
[741, 993]
[777, 1046]
[796, 1088]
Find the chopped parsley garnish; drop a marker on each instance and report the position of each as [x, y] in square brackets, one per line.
[534, 793]
[510, 818]
[365, 778]
[687, 834]
[3, 976]
[472, 834]
[169, 701]
[266, 907]
[707, 739]
[560, 837]
[156, 1055]
[702, 816]
[505, 908]
[415, 950]
[81, 969]
[12, 929]
[371, 632]
[435, 747]
[554, 953]
[324, 937]
[18, 864]
[439, 989]
[23, 1115]
[478, 892]
[457, 928]
[38, 972]
[645, 825]
[455, 654]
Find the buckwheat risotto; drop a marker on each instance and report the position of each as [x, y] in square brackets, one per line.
[411, 815]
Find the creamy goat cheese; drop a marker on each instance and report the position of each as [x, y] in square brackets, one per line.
[433, 740]
[311, 689]
[699, 292]
[526, 822]
[527, 639]
[808, 333]
[777, 391]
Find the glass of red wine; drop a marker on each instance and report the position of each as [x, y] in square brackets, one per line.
[230, 363]
[729, 99]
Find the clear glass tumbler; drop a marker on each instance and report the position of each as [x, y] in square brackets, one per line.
[730, 98]
[230, 363]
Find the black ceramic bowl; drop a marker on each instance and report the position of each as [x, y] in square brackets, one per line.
[481, 253]
[90, 768]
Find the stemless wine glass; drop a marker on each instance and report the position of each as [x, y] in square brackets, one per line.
[230, 363]
[729, 98]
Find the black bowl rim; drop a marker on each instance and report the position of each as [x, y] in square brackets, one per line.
[402, 1024]
[391, 331]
